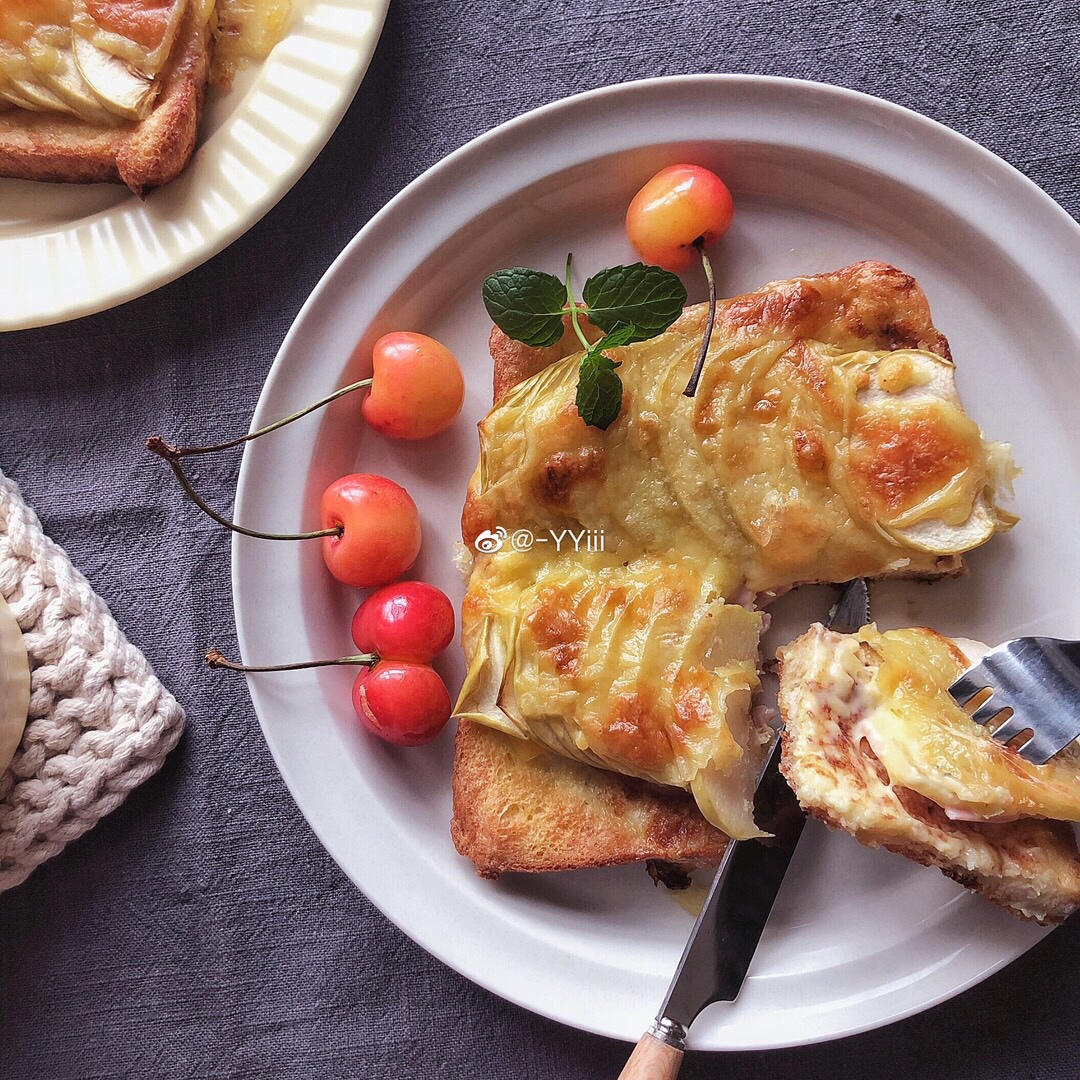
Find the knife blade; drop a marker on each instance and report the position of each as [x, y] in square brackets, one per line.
[725, 937]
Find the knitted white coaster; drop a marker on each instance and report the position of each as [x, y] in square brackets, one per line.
[100, 722]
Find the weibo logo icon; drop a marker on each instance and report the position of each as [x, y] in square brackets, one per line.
[490, 541]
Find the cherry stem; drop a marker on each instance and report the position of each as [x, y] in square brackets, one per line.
[171, 453]
[197, 499]
[573, 305]
[692, 385]
[217, 659]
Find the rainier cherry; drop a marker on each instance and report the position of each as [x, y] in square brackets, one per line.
[402, 702]
[410, 620]
[371, 530]
[676, 215]
[682, 208]
[417, 387]
[397, 695]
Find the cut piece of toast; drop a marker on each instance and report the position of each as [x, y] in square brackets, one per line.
[518, 807]
[538, 811]
[1029, 866]
[142, 154]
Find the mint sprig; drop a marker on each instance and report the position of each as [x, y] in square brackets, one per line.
[630, 303]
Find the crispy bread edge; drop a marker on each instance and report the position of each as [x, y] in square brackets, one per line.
[143, 155]
[540, 812]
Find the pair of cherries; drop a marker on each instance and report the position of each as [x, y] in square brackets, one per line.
[370, 525]
[397, 694]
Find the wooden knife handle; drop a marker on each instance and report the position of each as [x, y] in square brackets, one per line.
[652, 1060]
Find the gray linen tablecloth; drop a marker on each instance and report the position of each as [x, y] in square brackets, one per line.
[201, 930]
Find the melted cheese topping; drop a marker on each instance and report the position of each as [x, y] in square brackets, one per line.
[801, 458]
[791, 464]
[928, 744]
[635, 666]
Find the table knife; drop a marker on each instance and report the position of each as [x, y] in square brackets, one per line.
[726, 935]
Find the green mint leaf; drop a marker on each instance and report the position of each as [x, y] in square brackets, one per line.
[526, 305]
[599, 389]
[646, 297]
[621, 335]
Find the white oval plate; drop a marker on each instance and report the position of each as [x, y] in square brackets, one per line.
[822, 177]
[68, 250]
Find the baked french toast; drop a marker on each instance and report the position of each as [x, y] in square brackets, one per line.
[826, 442]
[873, 744]
[102, 90]
[518, 807]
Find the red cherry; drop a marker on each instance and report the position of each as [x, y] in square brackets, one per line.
[402, 702]
[380, 537]
[680, 206]
[410, 620]
[417, 386]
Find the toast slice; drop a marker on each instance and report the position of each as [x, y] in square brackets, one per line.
[837, 706]
[143, 154]
[534, 810]
[520, 808]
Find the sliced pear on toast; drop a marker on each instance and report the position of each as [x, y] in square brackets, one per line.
[913, 392]
[12, 92]
[941, 538]
[120, 88]
[21, 85]
[53, 69]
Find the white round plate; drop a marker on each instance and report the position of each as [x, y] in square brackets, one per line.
[822, 177]
[68, 250]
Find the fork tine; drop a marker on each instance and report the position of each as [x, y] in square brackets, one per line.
[1045, 743]
[987, 711]
[968, 685]
[1012, 727]
[1030, 684]
[1039, 749]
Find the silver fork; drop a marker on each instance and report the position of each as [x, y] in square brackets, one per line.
[1035, 683]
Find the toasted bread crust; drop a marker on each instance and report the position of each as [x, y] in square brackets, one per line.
[143, 155]
[1029, 867]
[518, 813]
[535, 811]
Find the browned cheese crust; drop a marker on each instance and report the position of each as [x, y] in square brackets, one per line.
[1030, 867]
[516, 812]
[143, 155]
